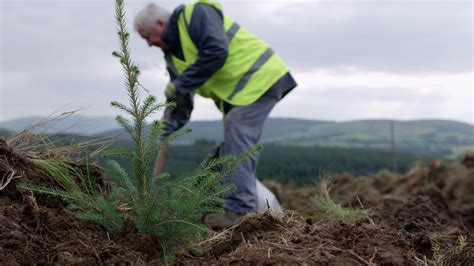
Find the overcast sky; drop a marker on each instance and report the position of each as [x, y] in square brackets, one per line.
[352, 59]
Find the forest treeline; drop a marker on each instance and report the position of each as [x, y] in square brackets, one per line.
[287, 164]
[299, 165]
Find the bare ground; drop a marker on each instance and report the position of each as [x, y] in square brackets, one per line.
[425, 216]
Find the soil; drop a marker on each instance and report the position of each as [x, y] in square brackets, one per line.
[468, 160]
[290, 239]
[402, 233]
[424, 216]
[40, 230]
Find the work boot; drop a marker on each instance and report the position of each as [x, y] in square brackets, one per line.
[219, 221]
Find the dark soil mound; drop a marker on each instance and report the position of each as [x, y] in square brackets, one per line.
[468, 160]
[421, 225]
[417, 214]
[32, 234]
[14, 167]
[41, 230]
[462, 255]
[20, 168]
[289, 239]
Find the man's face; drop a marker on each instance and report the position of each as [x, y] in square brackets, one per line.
[153, 35]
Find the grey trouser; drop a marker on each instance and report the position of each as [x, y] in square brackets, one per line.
[242, 129]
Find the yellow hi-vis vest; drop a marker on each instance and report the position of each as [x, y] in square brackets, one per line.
[250, 68]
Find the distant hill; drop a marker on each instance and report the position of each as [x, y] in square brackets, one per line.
[274, 129]
[74, 124]
[441, 138]
[430, 137]
[4, 133]
[434, 137]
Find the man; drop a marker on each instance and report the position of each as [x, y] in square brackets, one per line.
[209, 54]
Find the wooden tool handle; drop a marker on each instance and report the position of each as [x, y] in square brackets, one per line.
[160, 160]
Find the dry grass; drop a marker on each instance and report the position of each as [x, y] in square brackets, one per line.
[7, 178]
[36, 143]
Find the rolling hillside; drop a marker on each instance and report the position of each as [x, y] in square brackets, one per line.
[435, 137]
[73, 124]
[430, 137]
[441, 138]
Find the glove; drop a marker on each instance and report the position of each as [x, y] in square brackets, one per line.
[168, 128]
[170, 91]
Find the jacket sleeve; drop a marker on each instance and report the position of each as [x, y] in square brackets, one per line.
[206, 30]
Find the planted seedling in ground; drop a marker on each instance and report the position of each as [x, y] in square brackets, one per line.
[169, 209]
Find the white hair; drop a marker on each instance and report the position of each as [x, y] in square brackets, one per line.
[149, 15]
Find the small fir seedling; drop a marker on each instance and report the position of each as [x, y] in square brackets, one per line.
[168, 208]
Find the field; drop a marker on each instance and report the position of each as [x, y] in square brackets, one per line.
[422, 217]
[359, 183]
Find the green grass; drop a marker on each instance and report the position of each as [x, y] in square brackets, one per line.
[324, 208]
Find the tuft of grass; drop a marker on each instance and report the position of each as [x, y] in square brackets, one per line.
[324, 208]
[461, 242]
[449, 250]
[62, 172]
[78, 189]
[36, 142]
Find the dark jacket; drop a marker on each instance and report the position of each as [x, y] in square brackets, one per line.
[207, 32]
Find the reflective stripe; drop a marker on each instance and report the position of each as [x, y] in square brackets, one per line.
[256, 66]
[232, 31]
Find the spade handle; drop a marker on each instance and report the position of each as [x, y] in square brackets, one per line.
[160, 160]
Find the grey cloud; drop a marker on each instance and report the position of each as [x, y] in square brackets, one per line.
[62, 49]
[370, 104]
[393, 94]
[384, 36]
[400, 36]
